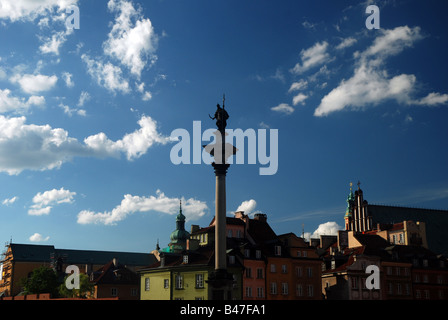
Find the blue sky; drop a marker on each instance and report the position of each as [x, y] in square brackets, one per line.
[86, 114]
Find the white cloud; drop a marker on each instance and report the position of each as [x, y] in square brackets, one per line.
[347, 42]
[35, 83]
[40, 147]
[43, 202]
[53, 43]
[128, 41]
[193, 209]
[283, 108]
[312, 57]
[83, 98]
[302, 84]
[432, 99]
[37, 237]
[31, 9]
[10, 201]
[70, 111]
[9, 103]
[133, 144]
[327, 228]
[300, 98]
[106, 75]
[247, 206]
[371, 84]
[68, 79]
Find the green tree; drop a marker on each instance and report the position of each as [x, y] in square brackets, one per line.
[86, 288]
[41, 280]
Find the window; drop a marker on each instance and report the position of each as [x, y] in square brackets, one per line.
[231, 259]
[146, 284]
[248, 292]
[284, 288]
[273, 288]
[401, 238]
[179, 281]
[166, 283]
[305, 254]
[199, 280]
[114, 292]
[278, 250]
[260, 292]
[299, 290]
[399, 288]
[248, 272]
[309, 272]
[239, 234]
[427, 296]
[185, 259]
[418, 294]
[246, 253]
[299, 271]
[258, 254]
[272, 267]
[425, 262]
[354, 282]
[425, 278]
[310, 290]
[259, 273]
[229, 234]
[299, 253]
[134, 292]
[284, 268]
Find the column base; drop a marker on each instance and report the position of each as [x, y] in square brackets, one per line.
[221, 283]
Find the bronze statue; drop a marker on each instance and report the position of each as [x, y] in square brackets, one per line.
[221, 117]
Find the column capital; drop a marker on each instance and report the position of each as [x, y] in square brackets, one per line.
[221, 169]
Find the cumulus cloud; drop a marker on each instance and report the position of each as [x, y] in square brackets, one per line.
[132, 39]
[312, 57]
[247, 206]
[10, 103]
[35, 83]
[328, 228]
[37, 237]
[43, 202]
[106, 74]
[29, 9]
[283, 108]
[371, 83]
[40, 147]
[192, 209]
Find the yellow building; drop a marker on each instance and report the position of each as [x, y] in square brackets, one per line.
[184, 276]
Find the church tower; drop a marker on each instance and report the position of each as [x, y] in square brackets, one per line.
[357, 217]
[179, 236]
[349, 212]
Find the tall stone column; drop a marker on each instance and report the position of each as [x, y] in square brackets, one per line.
[220, 280]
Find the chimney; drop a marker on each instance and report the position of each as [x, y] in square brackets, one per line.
[194, 228]
[261, 217]
[239, 214]
[115, 262]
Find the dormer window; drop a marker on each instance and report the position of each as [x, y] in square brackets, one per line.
[278, 250]
[185, 259]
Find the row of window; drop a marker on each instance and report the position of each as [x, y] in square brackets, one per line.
[178, 282]
[298, 270]
[301, 290]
